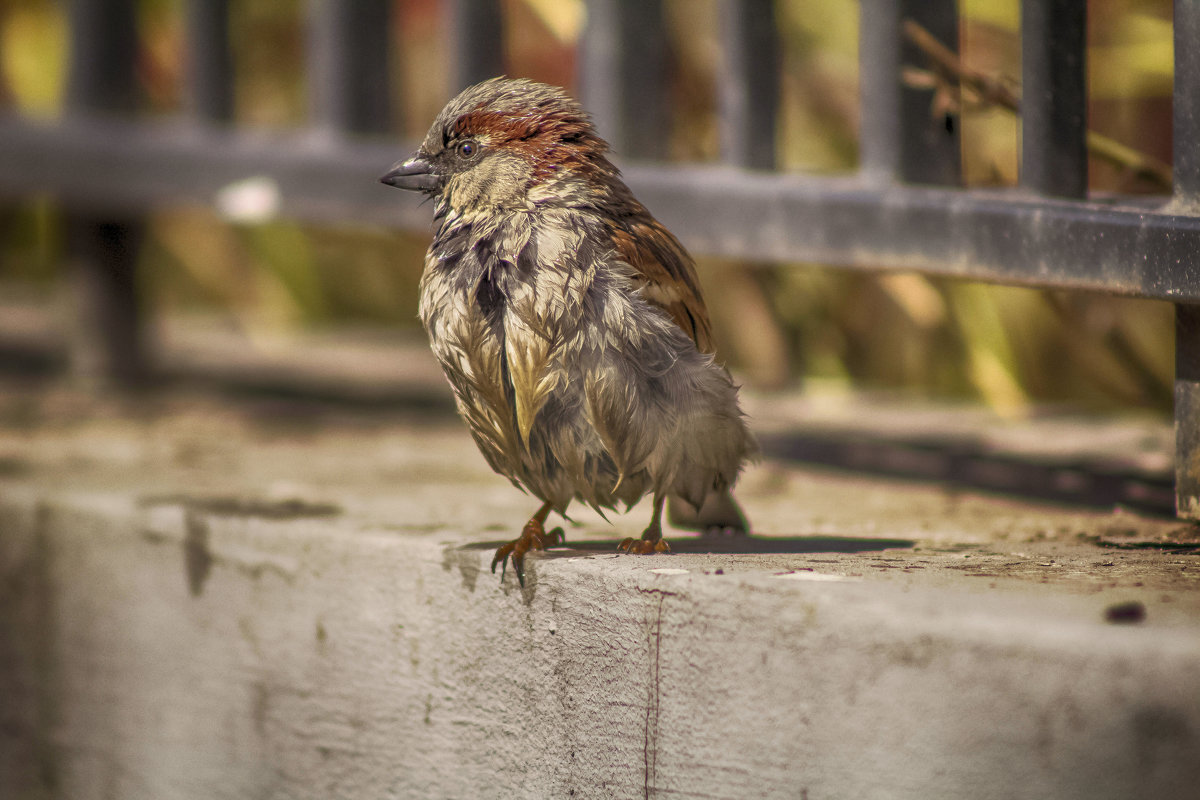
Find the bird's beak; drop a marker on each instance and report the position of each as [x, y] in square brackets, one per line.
[415, 174]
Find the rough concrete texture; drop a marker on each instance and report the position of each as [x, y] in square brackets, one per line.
[204, 599]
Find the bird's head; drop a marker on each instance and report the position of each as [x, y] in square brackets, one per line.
[506, 144]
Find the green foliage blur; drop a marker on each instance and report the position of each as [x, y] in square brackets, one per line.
[1011, 348]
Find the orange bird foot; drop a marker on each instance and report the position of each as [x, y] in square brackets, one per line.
[533, 537]
[644, 547]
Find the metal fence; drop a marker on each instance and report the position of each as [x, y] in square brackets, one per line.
[903, 209]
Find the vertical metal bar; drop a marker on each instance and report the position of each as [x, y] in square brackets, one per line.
[1054, 97]
[1187, 104]
[879, 90]
[623, 80]
[107, 344]
[929, 145]
[476, 41]
[748, 105]
[103, 56]
[1187, 410]
[348, 65]
[209, 60]
[1186, 175]
[748, 87]
[107, 340]
[901, 138]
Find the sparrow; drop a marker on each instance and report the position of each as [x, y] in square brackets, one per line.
[569, 322]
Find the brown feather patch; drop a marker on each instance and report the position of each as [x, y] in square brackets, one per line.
[550, 140]
[666, 275]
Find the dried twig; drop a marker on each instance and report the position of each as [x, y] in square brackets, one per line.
[990, 89]
[997, 91]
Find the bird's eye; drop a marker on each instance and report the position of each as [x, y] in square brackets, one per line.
[468, 149]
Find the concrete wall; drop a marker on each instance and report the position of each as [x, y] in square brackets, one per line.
[175, 650]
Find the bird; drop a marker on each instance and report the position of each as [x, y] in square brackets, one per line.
[569, 322]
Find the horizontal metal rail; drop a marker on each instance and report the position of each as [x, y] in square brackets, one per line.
[1002, 235]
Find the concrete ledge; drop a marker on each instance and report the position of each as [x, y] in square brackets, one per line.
[160, 652]
[201, 600]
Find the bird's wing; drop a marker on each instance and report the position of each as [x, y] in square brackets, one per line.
[666, 274]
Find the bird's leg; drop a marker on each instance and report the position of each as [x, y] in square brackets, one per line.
[533, 537]
[652, 540]
[718, 515]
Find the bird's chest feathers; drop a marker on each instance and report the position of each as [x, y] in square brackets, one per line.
[500, 303]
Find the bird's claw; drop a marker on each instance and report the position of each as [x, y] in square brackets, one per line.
[533, 537]
[644, 547]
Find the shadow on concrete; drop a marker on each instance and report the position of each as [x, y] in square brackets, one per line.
[959, 462]
[744, 545]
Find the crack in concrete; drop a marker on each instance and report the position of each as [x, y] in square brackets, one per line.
[650, 731]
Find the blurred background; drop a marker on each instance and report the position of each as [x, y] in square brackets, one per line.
[779, 326]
